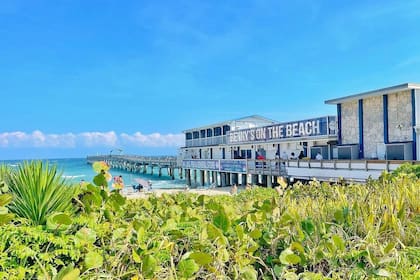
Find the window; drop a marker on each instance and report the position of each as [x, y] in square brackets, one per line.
[209, 132]
[196, 135]
[226, 128]
[217, 131]
[188, 136]
[203, 133]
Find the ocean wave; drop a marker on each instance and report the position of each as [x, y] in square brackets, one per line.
[73, 176]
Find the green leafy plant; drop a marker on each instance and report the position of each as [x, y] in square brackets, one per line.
[38, 191]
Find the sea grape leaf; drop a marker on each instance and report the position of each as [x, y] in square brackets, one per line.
[5, 218]
[100, 180]
[255, 234]
[149, 266]
[339, 216]
[201, 258]
[3, 210]
[297, 246]
[338, 242]
[222, 221]
[68, 273]
[93, 260]
[187, 268]
[288, 257]
[240, 232]
[5, 199]
[85, 236]
[308, 226]
[213, 232]
[136, 257]
[248, 273]
[59, 221]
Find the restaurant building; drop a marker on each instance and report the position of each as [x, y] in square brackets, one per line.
[373, 131]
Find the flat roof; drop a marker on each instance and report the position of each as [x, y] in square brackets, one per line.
[247, 119]
[372, 93]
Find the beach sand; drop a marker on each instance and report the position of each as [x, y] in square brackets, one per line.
[131, 194]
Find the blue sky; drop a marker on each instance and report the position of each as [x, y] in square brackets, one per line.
[84, 77]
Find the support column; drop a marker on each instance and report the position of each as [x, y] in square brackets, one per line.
[151, 167]
[244, 177]
[202, 176]
[195, 177]
[172, 173]
[188, 177]
[160, 171]
[222, 179]
[264, 180]
[361, 138]
[269, 181]
[235, 179]
[228, 183]
[254, 180]
[180, 173]
[208, 174]
[214, 174]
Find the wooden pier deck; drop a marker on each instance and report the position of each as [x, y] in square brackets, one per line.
[137, 164]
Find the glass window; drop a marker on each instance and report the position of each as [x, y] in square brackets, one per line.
[226, 128]
[209, 132]
[188, 136]
[196, 135]
[217, 131]
[203, 133]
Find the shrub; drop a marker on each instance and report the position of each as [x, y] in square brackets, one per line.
[38, 191]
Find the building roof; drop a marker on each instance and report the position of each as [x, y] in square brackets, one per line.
[249, 119]
[376, 92]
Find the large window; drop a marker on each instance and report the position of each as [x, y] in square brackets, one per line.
[196, 135]
[209, 132]
[217, 131]
[188, 136]
[203, 133]
[226, 128]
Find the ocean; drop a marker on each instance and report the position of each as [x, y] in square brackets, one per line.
[76, 169]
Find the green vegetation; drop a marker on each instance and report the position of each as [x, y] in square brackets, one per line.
[314, 231]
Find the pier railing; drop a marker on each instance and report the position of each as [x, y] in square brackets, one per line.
[325, 170]
[152, 160]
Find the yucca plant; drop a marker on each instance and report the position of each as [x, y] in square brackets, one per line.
[38, 191]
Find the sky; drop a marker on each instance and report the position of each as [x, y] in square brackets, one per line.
[81, 77]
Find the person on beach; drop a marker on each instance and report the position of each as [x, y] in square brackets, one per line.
[248, 186]
[118, 183]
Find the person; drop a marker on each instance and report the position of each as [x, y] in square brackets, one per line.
[301, 155]
[318, 156]
[293, 156]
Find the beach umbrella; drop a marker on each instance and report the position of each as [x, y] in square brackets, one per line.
[142, 182]
[100, 165]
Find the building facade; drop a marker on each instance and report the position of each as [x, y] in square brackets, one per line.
[379, 124]
[255, 137]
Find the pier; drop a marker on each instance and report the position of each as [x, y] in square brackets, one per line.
[140, 164]
[227, 172]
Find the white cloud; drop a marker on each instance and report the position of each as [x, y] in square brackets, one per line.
[152, 140]
[38, 139]
[102, 139]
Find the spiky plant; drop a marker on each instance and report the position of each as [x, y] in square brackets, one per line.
[38, 191]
